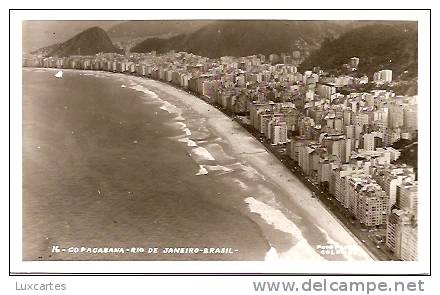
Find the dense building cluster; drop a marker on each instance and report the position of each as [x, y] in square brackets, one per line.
[341, 140]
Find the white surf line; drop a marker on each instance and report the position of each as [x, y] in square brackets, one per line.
[202, 171]
[203, 153]
[302, 250]
[189, 142]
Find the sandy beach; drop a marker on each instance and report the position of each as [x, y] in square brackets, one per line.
[253, 152]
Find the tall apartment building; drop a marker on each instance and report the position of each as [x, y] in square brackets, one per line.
[368, 142]
[338, 146]
[278, 131]
[401, 237]
[372, 206]
[366, 199]
[395, 116]
[390, 177]
[254, 109]
[410, 117]
[407, 197]
[408, 250]
[381, 118]
[326, 90]
[264, 118]
[390, 136]
[295, 144]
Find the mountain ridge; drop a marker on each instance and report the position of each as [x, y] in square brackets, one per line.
[242, 38]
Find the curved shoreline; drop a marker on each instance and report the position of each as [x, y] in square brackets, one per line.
[240, 138]
[247, 147]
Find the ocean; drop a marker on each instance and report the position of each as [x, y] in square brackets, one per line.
[112, 162]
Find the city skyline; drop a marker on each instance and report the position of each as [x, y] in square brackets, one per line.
[278, 114]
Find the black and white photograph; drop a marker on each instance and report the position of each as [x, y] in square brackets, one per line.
[274, 140]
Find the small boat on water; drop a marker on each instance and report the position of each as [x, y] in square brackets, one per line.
[59, 74]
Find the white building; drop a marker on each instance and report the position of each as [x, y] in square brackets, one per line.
[278, 132]
[383, 76]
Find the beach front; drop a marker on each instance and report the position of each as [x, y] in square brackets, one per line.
[297, 196]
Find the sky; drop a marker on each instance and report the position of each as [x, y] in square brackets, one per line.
[38, 34]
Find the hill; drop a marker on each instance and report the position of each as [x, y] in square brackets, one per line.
[88, 42]
[242, 38]
[379, 46]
